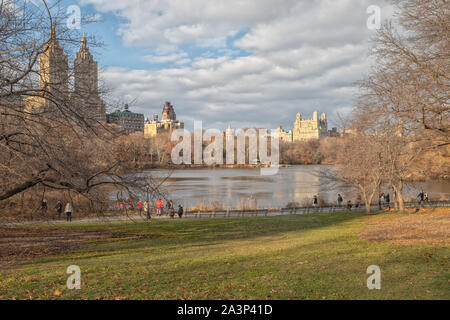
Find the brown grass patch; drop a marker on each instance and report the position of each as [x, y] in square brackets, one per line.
[23, 245]
[424, 227]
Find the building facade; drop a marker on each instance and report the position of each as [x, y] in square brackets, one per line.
[305, 129]
[168, 122]
[130, 122]
[284, 136]
[333, 132]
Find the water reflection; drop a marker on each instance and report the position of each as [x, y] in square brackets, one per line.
[232, 187]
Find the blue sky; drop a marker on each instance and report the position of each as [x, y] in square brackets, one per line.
[239, 62]
[118, 54]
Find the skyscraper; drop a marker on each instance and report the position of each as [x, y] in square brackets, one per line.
[53, 77]
[54, 68]
[86, 94]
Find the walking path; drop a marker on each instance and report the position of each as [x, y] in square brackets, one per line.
[230, 214]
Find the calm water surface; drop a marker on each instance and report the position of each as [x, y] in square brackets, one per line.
[235, 187]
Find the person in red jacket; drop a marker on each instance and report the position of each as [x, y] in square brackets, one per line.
[159, 206]
[140, 206]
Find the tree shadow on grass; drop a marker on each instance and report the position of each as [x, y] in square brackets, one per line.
[187, 233]
[205, 232]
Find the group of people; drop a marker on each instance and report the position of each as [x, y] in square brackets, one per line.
[143, 206]
[349, 204]
[384, 200]
[68, 209]
[340, 201]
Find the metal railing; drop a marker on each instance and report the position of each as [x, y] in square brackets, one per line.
[305, 210]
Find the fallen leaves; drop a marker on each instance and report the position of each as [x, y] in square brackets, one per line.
[432, 228]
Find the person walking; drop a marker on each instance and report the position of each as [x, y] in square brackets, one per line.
[180, 211]
[145, 208]
[339, 200]
[44, 205]
[140, 207]
[358, 201]
[159, 206]
[379, 202]
[69, 211]
[171, 212]
[387, 199]
[315, 201]
[349, 205]
[421, 197]
[169, 206]
[58, 208]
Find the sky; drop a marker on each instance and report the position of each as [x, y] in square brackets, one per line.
[247, 63]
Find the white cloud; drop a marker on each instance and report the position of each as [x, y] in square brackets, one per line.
[184, 21]
[251, 89]
[300, 56]
[175, 58]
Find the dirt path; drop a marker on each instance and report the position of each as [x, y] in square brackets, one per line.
[23, 245]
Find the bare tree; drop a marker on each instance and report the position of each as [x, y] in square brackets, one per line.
[359, 164]
[47, 140]
[403, 109]
[410, 80]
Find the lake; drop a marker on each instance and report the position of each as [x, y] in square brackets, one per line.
[235, 187]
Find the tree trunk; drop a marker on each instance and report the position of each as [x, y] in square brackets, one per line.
[369, 203]
[368, 208]
[367, 199]
[399, 195]
[395, 198]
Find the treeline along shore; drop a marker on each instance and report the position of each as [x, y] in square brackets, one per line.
[155, 153]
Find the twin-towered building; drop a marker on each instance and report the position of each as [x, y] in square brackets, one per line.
[84, 99]
[54, 78]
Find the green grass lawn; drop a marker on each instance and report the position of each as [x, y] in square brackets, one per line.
[314, 256]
